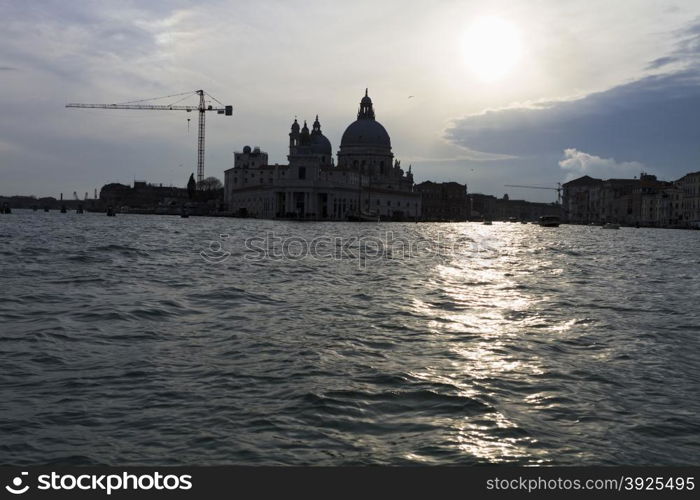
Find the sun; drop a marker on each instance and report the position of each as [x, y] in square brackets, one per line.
[492, 48]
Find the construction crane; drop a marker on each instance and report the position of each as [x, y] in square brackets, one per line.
[557, 189]
[226, 110]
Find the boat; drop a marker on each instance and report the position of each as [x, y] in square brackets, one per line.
[110, 212]
[549, 221]
[487, 223]
[364, 217]
[611, 225]
[512, 219]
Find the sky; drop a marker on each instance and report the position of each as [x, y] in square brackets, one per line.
[483, 92]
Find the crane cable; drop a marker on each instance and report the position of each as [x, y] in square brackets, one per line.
[157, 98]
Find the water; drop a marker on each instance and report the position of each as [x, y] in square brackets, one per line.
[120, 344]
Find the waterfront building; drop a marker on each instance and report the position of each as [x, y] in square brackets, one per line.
[481, 205]
[367, 179]
[443, 201]
[689, 185]
[507, 209]
[581, 199]
[484, 206]
[662, 208]
[142, 195]
[643, 201]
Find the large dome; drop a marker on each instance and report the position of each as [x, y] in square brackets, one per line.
[365, 132]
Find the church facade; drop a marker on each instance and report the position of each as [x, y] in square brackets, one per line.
[366, 182]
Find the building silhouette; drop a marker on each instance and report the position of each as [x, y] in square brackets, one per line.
[366, 181]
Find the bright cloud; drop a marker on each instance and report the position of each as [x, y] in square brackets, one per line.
[577, 163]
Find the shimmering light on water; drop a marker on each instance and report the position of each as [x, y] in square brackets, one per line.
[508, 343]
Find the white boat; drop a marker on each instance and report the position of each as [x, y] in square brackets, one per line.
[487, 223]
[549, 221]
[611, 225]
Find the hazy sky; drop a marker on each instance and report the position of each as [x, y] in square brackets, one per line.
[505, 92]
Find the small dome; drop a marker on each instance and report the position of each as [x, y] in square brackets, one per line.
[321, 145]
[246, 149]
[295, 126]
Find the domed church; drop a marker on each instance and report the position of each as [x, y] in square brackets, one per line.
[366, 183]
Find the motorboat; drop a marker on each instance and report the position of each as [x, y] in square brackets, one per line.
[549, 221]
[488, 223]
[611, 225]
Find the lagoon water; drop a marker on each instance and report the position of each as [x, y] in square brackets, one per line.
[160, 340]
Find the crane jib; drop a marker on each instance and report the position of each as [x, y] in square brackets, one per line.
[227, 110]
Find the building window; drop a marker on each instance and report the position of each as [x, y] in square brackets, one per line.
[302, 172]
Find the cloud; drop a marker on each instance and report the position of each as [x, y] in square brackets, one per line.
[577, 163]
[661, 62]
[652, 119]
[7, 68]
[469, 155]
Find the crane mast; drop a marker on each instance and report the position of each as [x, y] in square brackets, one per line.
[200, 139]
[202, 108]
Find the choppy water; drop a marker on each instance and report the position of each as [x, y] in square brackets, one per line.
[120, 344]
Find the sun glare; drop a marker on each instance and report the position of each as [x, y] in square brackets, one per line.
[492, 48]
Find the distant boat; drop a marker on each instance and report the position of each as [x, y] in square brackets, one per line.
[611, 225]
[512, 219]
[63, 209]
[487, 223]
[364, 217]
[549, 221]
[110, 212]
